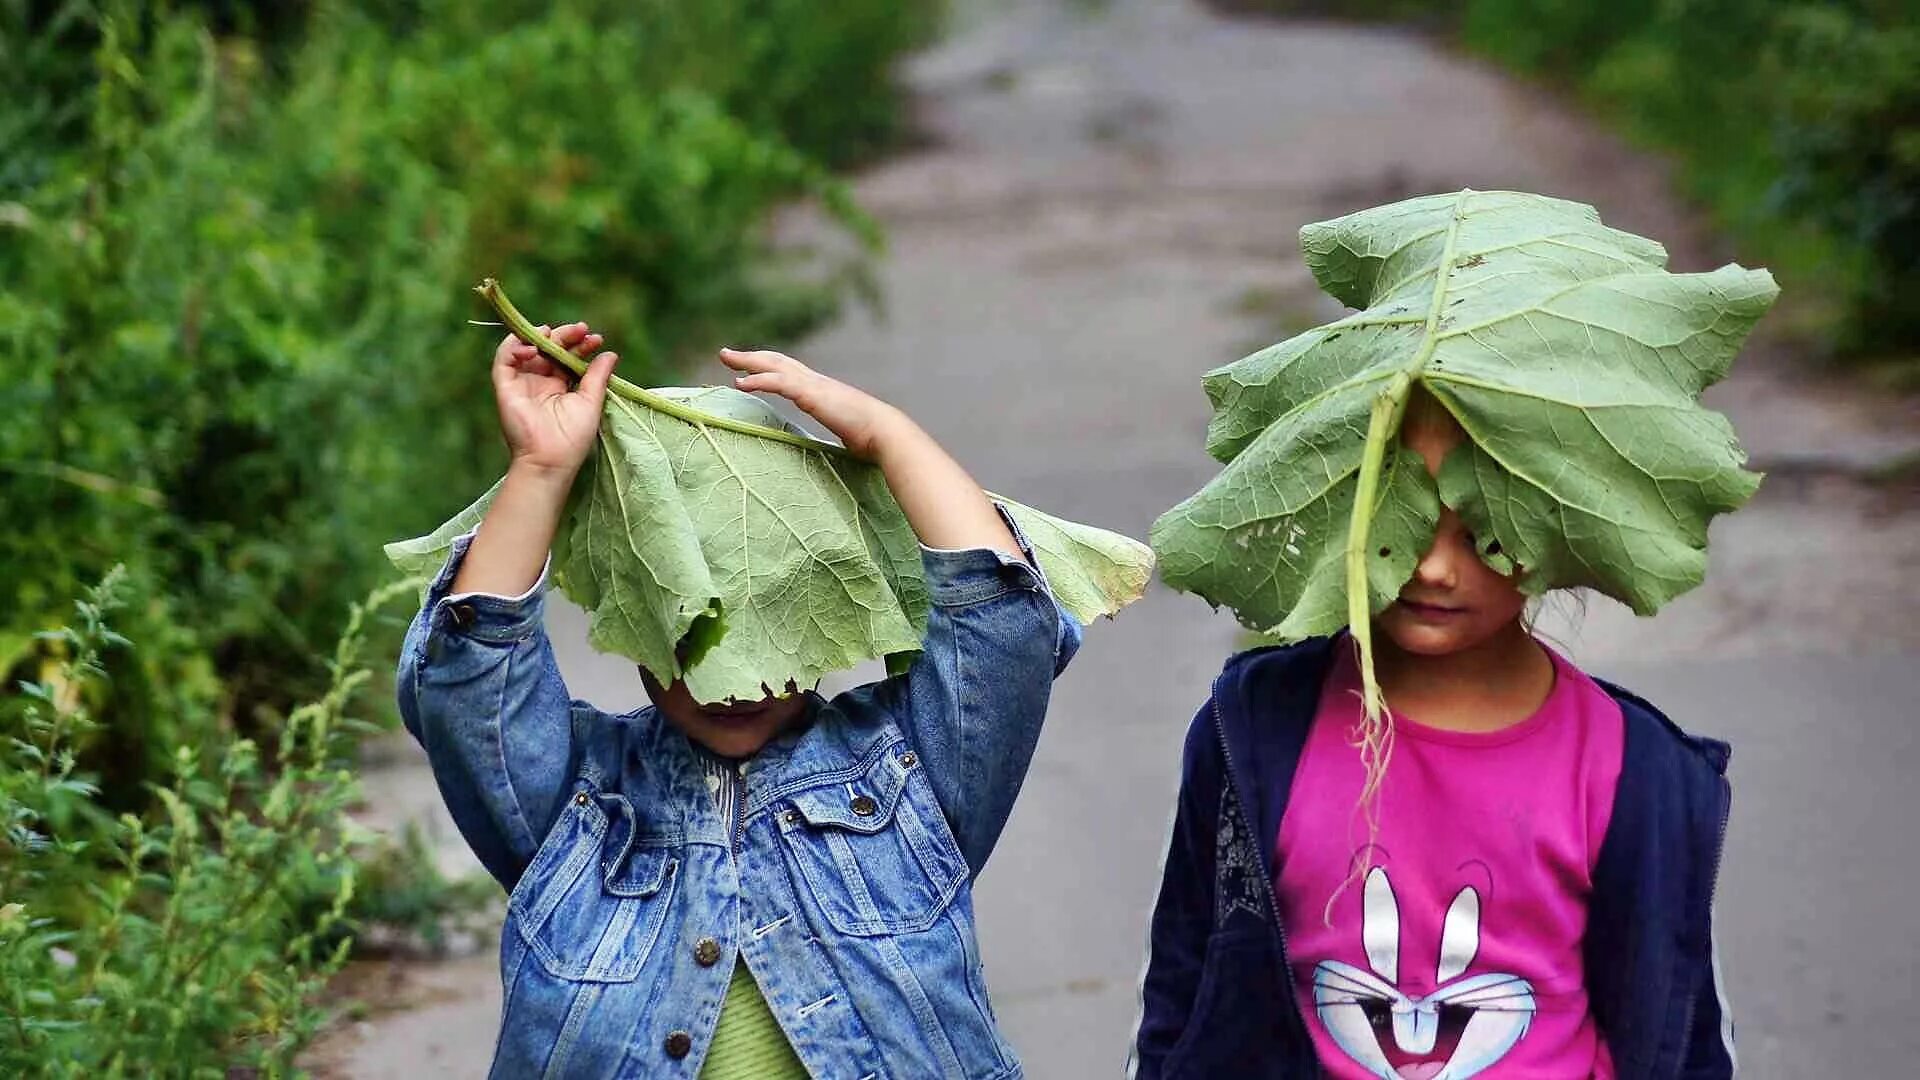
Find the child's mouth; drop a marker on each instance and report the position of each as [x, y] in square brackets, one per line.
[1431, 613]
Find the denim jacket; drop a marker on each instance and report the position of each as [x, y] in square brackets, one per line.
[844, 880]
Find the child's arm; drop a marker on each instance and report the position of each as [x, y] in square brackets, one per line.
[973, 702]
[477, 685]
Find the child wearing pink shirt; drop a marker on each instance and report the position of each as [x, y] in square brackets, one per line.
[1527, 894]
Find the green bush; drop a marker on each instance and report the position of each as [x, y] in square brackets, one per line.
[183, 942]
[1849, 144]
[1797, 124]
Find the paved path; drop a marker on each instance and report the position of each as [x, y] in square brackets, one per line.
[1108, 210]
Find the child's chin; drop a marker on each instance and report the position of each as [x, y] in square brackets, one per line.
[732, 744]
[1422, 639]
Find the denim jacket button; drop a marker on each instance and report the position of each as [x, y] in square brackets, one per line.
[909, 759]
[580, 799]
[706, 952]
[679, 1045]
[864, 806]
[462, 615]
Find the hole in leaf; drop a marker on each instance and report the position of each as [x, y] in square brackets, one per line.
[1385, 551]
[1493, 548]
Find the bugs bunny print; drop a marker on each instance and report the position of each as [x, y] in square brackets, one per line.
[1460, 1029]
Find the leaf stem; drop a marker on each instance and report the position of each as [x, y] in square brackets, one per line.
[1382, 425]
[1366, 494]
[490, 290]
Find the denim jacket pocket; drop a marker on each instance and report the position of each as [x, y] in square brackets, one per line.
[592, 903]
[874, 851]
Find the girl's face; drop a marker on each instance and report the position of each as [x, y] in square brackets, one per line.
[1454, 601]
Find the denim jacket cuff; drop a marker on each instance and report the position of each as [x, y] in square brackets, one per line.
[970, 575]
[484, 616]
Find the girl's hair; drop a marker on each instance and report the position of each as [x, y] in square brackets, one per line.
[1569, 604]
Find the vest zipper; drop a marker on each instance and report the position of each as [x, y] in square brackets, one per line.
[1266, 879]
[739, 823]
[1713, 892]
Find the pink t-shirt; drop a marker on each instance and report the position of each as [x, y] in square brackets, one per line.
[1457, 954]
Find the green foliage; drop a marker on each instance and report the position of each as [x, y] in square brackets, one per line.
[1796, 123]
[191, 939]
[1849, 145]
[710, 541]
[405, 899]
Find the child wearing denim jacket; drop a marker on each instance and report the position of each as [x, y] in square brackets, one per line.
[766, 888]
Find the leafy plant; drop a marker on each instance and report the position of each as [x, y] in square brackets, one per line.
[710, 541]
[1849, 142]
[405, 901]
[1572, 360]
[187, 941]
[1796, 124]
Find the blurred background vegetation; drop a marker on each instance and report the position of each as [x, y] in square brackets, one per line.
[1795, 123]
[236, 245]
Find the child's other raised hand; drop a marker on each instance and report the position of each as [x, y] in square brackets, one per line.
[942, 503]
[548, 421]
[859, 420]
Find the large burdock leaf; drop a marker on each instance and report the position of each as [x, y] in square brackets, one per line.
[710, 541]
[1571, 358]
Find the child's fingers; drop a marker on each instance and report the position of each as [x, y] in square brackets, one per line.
[758, 360]
[599, 372]
[737, 360]
[535, 363]
[523, 356]
[513, 347]
[769, 382]
[564, 335]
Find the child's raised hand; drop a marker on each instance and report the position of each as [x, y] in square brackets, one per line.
[858, 419]
[548, 421]
[942, 503]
